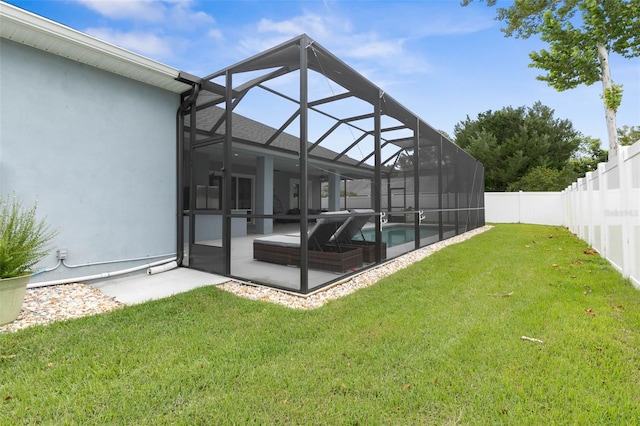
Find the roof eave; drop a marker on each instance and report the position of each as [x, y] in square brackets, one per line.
[33, 30]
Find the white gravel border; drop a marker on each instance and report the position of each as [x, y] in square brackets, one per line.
[62, 302]
[365, 279]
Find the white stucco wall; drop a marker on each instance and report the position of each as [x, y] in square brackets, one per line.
[97, 151]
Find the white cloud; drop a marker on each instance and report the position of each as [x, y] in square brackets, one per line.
[312, 24]
[147, 44]
[171, 13]
[376, 48]
[253, 45]
[182, 15]
[448, 24]
[146, 10]
[331, 31]
[151, 18]
[383, 59]
[215, 34]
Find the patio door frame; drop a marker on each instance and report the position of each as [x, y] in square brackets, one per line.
[235, 197]
[205, 257]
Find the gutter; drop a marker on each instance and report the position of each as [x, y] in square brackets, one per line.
[33, 30]
[189, 101]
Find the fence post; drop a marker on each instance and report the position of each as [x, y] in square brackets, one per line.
[589, 207]
[576, 205]
[603, 209]
[598, 210]
[565, 206]
[604, 202]
[632, 167]
[519, 206]
[584, 211]
[575, 224]
[624, 165]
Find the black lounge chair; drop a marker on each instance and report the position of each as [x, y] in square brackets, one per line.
[285, 249]
[347, 236]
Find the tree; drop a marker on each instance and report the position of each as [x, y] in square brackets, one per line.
[581, 34]
[628, 135]
[543, 179]
[586, 158]
[428, 157]
[513, 141]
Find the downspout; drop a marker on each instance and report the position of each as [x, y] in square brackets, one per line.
[180, 164]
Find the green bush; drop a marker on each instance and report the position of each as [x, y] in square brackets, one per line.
[23, 238]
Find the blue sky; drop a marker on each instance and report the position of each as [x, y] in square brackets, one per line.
[441, 60]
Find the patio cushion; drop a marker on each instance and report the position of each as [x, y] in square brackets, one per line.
[318, 236]
[280, 241]
[285, 249]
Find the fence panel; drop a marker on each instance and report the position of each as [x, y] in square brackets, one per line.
[542, 208]
[603, 208]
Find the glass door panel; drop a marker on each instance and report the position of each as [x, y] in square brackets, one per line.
[206, 250]
[242, 195]
[245, 193]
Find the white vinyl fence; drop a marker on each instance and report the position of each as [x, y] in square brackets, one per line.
[603, 208]
[542, 208]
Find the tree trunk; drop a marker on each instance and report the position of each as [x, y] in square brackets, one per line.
[610, 114]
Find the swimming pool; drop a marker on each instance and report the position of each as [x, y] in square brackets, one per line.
[397, 234]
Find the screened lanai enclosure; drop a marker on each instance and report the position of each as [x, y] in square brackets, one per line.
[295, 171]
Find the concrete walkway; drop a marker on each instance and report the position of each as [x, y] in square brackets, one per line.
[139, 288]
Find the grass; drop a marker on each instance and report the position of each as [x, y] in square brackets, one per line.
[437, 343]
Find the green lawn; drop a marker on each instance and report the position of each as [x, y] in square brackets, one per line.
[437, 343]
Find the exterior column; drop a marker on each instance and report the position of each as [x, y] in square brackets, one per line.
[334, 191]
[377, 136]
[264, 194]
[227, 177]
[416, 183]
[304, 142]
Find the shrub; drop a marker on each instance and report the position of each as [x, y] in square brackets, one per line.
[23, 238]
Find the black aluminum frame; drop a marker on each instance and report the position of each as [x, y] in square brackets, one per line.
[302, 54]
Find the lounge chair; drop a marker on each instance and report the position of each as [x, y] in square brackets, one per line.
[347, 236]
[285, 249]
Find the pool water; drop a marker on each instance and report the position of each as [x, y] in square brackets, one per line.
[395, 235]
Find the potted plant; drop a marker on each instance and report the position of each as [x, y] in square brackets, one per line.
[23, 242]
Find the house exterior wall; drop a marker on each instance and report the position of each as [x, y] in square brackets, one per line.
[97, 152]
